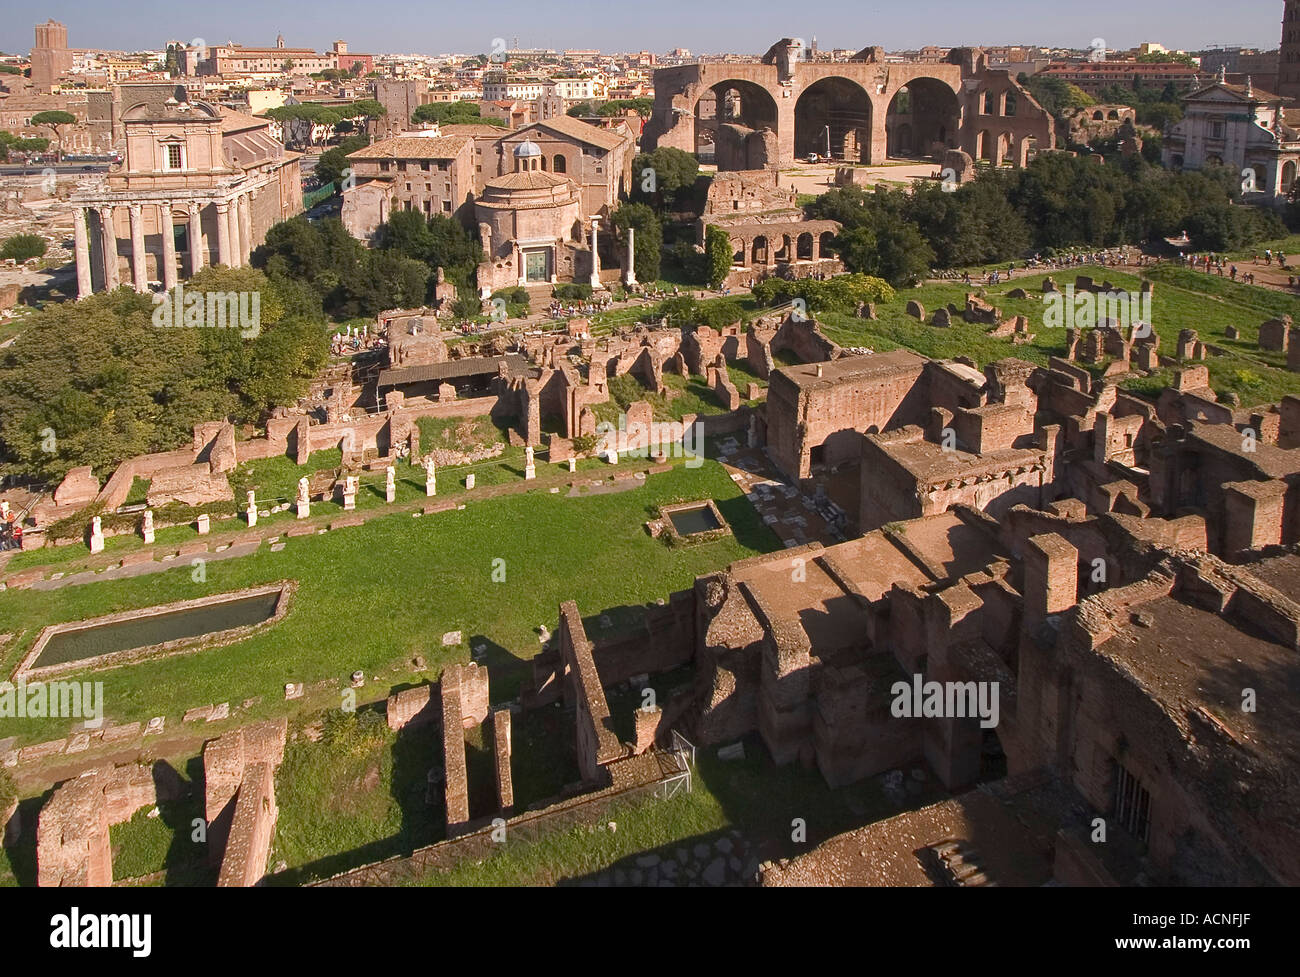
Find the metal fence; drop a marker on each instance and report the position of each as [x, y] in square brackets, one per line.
[310, 200]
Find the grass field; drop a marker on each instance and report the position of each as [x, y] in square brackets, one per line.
[1182, 300]
[372, 597]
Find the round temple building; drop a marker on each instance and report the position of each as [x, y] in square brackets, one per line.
[531, 224]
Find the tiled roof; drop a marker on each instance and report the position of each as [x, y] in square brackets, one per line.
[577, 129]
[413, 147]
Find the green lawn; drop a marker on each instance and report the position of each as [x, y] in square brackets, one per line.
[359, 795]
[1182, 300]
[372, 597]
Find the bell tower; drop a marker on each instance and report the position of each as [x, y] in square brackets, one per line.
[1288, 55]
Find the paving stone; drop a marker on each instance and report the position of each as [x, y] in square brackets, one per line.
[715, 873]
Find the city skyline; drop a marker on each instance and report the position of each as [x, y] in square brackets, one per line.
[147, 24]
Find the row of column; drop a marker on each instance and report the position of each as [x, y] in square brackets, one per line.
[234, 241]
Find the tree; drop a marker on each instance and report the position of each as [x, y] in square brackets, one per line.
[21, 247]
[649, 238]
[663, 177]
[452, 113]
[111, 384]
[365, 108]
[717, 253]
[54, 120]
[332, 162]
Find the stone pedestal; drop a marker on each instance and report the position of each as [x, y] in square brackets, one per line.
[349, 500]
[390, 485]
[530, 467]
[96, 542]
[304, 509]
[573, 465]
[469, 480]
[203, 523]
[146, 527]
[430, 485]
[251, 510]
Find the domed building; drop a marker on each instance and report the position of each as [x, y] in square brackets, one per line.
[531, 224]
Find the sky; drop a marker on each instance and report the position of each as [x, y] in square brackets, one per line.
[444, 26]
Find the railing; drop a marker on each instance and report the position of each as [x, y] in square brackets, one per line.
[310, 200]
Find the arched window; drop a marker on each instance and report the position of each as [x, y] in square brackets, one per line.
[990, 104]
[1288, 175]
[1009, 105]
[560, 165]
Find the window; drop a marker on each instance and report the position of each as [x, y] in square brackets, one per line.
[175, 157]
[1132, 804]
[446, 206]
[1216, 130]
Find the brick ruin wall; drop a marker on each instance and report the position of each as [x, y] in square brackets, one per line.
[227, 764]
[596, 743]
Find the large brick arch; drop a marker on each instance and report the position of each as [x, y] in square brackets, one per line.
[858, 91]
[834, 111]
[930, 125]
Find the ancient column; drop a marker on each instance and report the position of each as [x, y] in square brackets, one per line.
[195, 236]
[595, 254]
[245, 228]
[629, 273]
[232, 215]
[223, 233]
[82, 246]
[168, 231]
[109, 246]
[139, 277]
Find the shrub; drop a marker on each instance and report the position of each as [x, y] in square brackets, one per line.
[574, 292]
[514, 295]
[21, 247]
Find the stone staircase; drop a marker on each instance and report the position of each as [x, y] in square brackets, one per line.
[962, 864]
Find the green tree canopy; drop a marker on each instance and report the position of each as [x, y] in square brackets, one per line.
[108, 383]
[649, 238]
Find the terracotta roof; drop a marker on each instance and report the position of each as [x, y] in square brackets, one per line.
[232, 121]
[577, 129]
[473, 129]
[1255, 94]
[528, 180]
[413, 147]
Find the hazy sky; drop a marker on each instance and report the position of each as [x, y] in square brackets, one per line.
[432, 27]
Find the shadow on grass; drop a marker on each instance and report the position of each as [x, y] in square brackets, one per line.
[416, 750]
[22, 855]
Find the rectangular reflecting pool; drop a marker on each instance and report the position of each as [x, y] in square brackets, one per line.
[698, 519]
[166, 629]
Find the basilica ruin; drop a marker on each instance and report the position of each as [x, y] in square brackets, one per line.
[770, 112]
